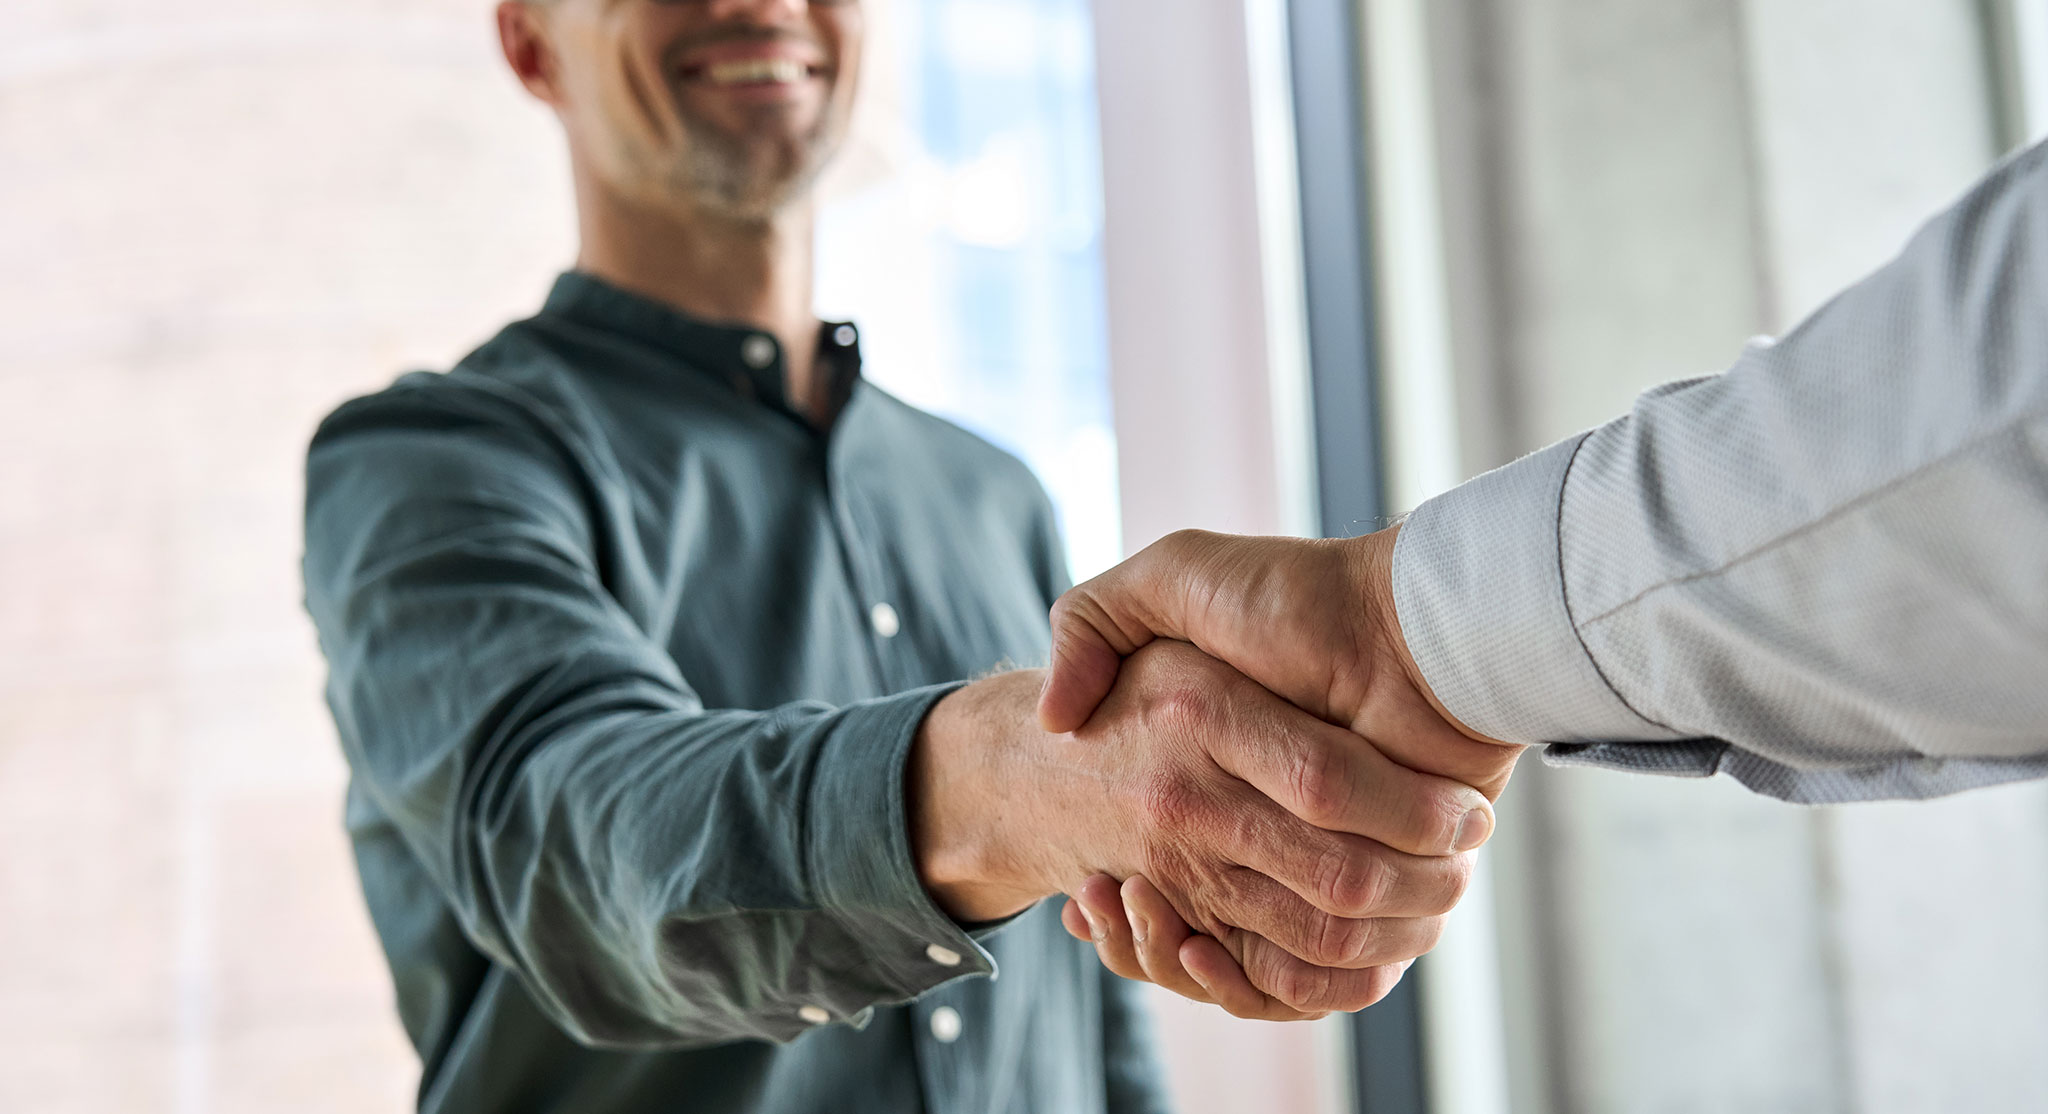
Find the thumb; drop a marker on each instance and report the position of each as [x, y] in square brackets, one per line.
[1087, 650]
[1097, 624]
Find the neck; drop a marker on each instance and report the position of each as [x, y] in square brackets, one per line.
[712, 266]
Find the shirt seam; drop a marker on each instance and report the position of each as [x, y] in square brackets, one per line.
[1798, 532]
[1564, 585]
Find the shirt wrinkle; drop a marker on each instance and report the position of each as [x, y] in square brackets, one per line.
[1875, 478]
[1975, 444]
[533, 577]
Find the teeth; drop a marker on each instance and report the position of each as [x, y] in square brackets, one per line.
[756, 71]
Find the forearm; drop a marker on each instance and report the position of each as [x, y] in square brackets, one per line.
[656, 874]
[966, 813]
[1825, 562]
[661, 876]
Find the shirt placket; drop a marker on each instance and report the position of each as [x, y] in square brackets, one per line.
[868, 570]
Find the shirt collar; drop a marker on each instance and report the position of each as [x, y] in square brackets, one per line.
[745, 358]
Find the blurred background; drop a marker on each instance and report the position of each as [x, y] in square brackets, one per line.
[1258, 265]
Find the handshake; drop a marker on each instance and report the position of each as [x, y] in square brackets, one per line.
[1233, 767]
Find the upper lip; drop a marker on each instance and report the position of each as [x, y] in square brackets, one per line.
[694, 61]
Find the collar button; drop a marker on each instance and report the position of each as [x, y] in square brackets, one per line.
[757, 351]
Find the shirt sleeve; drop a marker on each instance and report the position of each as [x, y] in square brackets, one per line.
[1131, 1068]
[657, 874]
[1824, 572]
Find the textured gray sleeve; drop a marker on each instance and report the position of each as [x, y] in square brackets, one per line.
[1824, 572]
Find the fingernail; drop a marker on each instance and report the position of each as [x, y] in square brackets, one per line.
[1140, 927]
[1473, 828]
[1094, 926]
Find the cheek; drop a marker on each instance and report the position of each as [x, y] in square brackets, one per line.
[631, 82]
[843, 29]
[632, 98]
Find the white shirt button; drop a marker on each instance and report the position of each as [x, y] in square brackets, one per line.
[885, 620]
[815, 1015]
[758, 351]
[844, 336]
[943, 956]
[946, 1024]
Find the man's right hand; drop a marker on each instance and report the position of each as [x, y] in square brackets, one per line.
[1314, 622]
[1245, 812]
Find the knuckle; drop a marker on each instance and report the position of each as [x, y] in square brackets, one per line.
[1456, 879]
[1185, 708]
[1063, 607]
[1304, 988]
[1179, 542]
[1342, 942]
[1351, 882]
[1169, 802]
[1315, 777]
[1071, 613]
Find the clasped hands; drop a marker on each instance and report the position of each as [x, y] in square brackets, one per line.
[1233, 767]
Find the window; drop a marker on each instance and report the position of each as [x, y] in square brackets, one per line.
[964, 234]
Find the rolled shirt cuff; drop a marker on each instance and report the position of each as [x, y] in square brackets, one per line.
[1480, 593]
[861, 865]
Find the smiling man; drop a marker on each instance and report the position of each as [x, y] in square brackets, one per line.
[647, 626]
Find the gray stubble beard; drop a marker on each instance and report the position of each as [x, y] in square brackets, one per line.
[723, 173]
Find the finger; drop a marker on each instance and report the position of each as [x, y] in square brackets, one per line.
[1344, 874]
[1102, 906]
[1284, 981]
[1076, 922]
[1095, 625]
[1213, 968]
[1084, 664]
[1263, 907]
[1335, 780]
[1414, 733]
[1158, 932]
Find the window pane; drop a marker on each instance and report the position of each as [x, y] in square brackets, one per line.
[965, 237]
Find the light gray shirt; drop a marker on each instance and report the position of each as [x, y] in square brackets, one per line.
[1824, 571]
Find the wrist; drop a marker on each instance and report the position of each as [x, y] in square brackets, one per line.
[1376, 570]
[969, 823]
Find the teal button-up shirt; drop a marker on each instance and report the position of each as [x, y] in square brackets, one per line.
[626, 658]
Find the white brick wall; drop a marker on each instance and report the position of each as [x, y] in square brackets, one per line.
[217, 219]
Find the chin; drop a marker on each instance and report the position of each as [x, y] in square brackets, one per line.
[755, 178]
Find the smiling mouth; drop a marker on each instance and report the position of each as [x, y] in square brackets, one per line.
[753, 71]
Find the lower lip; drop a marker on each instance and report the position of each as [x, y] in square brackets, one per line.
[758, 91]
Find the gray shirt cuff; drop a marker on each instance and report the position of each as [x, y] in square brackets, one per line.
[862, 866]
[1480, 594]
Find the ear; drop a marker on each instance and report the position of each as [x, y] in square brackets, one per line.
[522, 34]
